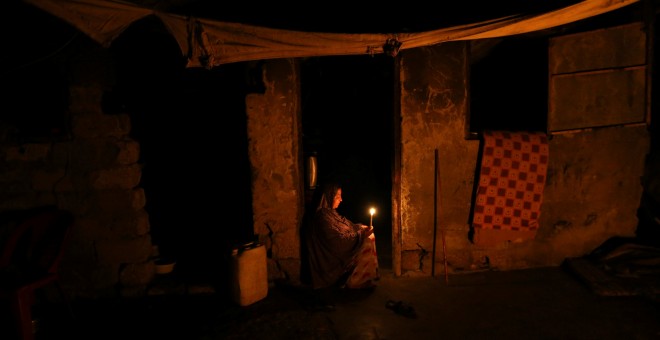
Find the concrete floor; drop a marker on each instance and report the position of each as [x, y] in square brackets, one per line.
[543, 303]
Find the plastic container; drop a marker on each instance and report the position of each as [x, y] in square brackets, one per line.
[164, 266]
[249, 274]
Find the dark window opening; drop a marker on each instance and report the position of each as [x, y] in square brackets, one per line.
[34, 79]
[508, 85]
[36, 101]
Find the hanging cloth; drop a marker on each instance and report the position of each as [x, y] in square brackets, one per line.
[510, 191]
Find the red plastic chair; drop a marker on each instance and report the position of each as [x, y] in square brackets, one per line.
[30, 260]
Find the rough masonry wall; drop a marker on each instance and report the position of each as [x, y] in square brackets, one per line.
[433, 106]
[592, 192]
[95, 175]
[275, 156]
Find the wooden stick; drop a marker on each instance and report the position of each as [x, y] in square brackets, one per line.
[435, 211]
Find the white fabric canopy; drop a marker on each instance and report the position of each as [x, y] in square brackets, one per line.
[208, 43]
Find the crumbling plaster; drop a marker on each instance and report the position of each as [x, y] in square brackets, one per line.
[433, 106]
[274, 132]
[592, 191]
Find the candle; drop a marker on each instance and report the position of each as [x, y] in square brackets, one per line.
[372, 211]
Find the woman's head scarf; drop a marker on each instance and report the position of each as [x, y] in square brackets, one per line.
[328, 193]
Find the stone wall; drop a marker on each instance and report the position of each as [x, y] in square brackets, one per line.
[592, 192]
[275, 149]
[433, 107]
[93, 173]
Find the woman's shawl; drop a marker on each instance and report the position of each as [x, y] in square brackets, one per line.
[333, 244]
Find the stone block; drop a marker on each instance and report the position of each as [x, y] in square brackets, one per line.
[79, 202]
[90, 281]
[124, 251]
[99, 125]
[28, 152]
[16, 201]
[129, 152]
[86, 232]
[137, 274]
[615, 97]
[96, 153]
[593, 50]
[126, 177]
[131, 224]
[114, 201]
[86, 100]
[15, 185]
[50, 180]
[111, 227]
[60, 156]
[138, 198]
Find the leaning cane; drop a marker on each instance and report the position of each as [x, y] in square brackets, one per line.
[435, 211]
[435, 220]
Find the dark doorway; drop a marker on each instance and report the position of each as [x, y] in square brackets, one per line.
[509, 84]
[191, 126]
[347, 108]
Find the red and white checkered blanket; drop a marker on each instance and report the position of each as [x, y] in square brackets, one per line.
[510, 191]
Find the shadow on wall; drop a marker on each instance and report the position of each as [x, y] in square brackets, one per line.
[191, 126]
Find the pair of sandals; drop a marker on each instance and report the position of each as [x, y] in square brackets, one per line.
[401, 308]
[322, 307]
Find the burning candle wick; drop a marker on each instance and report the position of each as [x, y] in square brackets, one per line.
[372, 211]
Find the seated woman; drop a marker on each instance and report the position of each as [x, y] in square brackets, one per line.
[341, 253]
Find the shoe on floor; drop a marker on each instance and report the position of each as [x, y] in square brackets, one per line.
[401, 308]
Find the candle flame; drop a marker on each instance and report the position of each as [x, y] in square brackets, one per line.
[372, 211]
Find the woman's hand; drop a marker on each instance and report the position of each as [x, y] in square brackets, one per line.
[367, 230]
